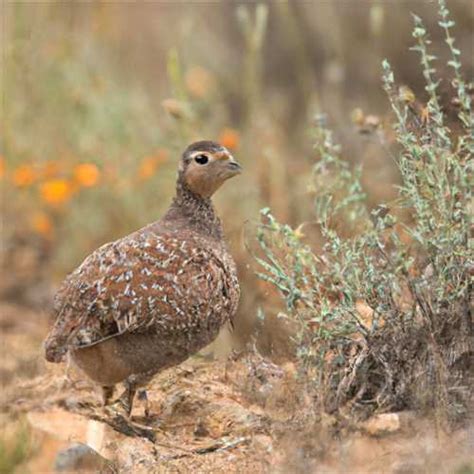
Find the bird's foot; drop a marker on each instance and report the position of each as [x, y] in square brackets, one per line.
[118, 408]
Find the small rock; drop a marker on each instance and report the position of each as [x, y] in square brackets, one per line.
[386, 423]
[135, 455]
[407, 467]
[60, 423]
[263, 442]
[80, 457]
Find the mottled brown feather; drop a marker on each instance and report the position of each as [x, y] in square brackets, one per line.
[173, 278]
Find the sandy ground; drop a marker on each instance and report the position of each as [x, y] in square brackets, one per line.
[240, 414]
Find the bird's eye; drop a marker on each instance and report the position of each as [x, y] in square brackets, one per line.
[201, 159]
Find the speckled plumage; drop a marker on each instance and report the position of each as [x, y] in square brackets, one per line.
[153, 298]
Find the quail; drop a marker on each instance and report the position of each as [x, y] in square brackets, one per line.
[148, 301]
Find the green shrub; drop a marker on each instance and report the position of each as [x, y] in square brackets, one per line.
[383, 314]
[15, 448]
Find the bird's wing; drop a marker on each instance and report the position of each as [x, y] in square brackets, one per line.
[138, 282]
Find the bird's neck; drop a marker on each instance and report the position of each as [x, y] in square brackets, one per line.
[193, 211]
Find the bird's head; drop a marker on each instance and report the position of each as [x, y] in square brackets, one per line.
[205, 165]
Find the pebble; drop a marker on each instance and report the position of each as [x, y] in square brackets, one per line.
[80, 457]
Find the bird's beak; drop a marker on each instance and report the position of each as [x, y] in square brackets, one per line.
[234, 167]
[231, 167]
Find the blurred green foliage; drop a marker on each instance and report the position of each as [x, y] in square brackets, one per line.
[14, 449]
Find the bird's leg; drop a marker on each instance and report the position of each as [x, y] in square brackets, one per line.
[68, 368]
[107, 393]
[125, 402]
[126, 399]
[142, 395]
[131, 387]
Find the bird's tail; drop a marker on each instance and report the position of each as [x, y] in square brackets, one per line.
[56, 344]
[55, 347]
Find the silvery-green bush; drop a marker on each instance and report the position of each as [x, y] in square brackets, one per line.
[383, 316]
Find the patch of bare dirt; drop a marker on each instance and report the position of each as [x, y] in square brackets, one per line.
[241, 414]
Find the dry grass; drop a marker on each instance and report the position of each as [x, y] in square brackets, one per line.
[99, 100]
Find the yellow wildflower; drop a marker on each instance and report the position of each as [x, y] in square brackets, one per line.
[56, 191]
[86, 174]
[406, 95]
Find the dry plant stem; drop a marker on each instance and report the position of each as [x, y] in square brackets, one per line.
[220, 445]
[253, 30]
[120, 424]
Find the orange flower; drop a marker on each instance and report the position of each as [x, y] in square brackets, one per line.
[2, 167]
[24, 176]
[229, 138]
[56, 191]
[42, 224]
[150, 164]
[86, 174]
[147, 167]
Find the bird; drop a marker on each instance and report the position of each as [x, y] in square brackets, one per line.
[150, 300]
